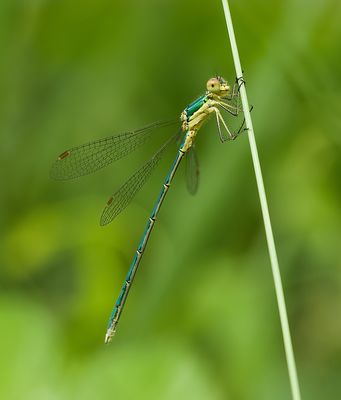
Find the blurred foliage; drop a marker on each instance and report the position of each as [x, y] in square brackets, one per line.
[201, 321]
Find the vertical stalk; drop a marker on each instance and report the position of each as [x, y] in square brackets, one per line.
[266, 217]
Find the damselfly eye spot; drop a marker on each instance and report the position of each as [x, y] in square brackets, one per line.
[213, 85]
[64, 155]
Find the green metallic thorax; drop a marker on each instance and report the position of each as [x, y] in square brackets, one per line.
[193, 107]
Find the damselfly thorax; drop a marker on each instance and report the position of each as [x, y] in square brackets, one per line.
[218, 96]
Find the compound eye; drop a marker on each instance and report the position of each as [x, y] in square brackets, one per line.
[213, 85]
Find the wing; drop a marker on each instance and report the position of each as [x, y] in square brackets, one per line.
[192, 171]
[124, 195]
[92, 156]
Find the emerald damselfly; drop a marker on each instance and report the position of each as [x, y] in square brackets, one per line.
[81, 160]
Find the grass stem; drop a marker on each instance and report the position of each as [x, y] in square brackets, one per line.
[266, 216]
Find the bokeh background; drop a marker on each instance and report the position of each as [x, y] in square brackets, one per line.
[201, 321]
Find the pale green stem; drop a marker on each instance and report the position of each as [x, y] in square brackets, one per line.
[266, 217]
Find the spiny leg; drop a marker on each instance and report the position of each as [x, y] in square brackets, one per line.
[241, 128]
[219, 117]
[219, 128]
[227, 107]
[239, 82]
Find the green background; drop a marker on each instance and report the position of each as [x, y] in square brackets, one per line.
[201, 321]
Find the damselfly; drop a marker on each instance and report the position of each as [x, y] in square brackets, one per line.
[219, 97]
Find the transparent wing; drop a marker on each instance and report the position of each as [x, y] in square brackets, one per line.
[121, 199]
[192, 171]
[92, 156]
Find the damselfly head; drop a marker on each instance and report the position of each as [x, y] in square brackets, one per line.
[218, 86]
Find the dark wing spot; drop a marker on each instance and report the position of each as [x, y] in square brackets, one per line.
[64, 155]
[110, 201]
